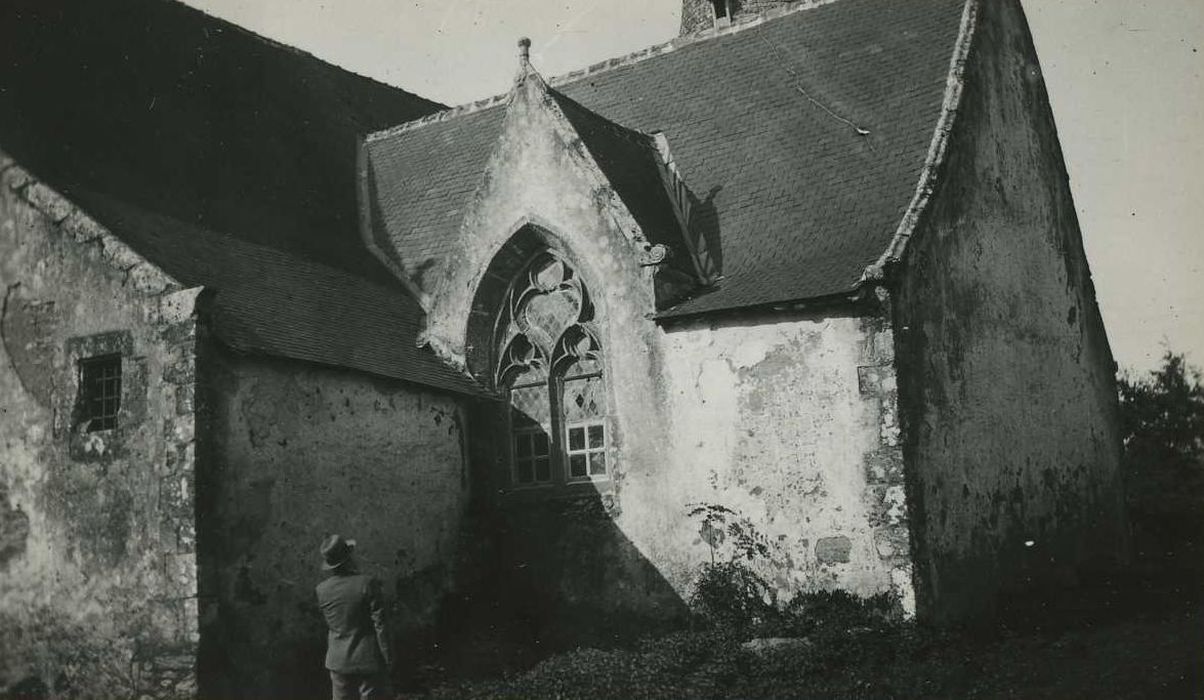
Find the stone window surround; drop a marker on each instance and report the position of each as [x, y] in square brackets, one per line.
[133, 393]
[561, 484]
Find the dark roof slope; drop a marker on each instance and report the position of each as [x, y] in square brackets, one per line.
[760, 121]
[269, 302]
[159, 105]
[630, 161]
[426, 180]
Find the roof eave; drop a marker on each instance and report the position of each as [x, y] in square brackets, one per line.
[855, 296]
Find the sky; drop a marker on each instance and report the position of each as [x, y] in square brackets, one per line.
[1124, 78]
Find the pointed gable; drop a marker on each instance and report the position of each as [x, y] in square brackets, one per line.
[421, 181]
[417, 182]
[803, 137]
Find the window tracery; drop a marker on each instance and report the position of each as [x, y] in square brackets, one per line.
[549, 361]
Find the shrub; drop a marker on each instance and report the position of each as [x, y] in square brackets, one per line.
[731, 594]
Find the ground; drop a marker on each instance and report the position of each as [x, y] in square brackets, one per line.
[1154, 652]
[1132, 635]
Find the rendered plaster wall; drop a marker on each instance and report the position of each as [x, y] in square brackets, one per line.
[789, 422]
[1007, 382]
[562, 557]
[296, 452]
[97, 563]
[785, 425]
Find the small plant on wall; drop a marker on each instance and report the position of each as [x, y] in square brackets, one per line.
[728, 591]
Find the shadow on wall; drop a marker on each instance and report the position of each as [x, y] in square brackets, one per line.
[529, 577]
[550, 572]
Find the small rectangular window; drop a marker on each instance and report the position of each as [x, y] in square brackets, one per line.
[586, 450]
[100, 392]
[532, 456]
[720, 9]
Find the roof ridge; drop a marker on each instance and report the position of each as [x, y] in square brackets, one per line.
[289, 48]
[737, 25]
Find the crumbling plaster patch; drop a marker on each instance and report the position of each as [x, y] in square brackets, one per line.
[769, 417]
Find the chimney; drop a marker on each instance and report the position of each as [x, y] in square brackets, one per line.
[699, 15]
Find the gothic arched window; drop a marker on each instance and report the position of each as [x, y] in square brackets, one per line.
[549, 362]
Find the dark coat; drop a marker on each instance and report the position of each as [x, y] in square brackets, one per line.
[355, 615]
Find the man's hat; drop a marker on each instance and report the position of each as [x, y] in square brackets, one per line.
[336, 551]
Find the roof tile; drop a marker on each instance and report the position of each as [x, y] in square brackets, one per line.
[762, 123]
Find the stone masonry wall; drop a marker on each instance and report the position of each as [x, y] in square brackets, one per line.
[295, 452]
[97, 542]
[697, 15]
[1006, 378]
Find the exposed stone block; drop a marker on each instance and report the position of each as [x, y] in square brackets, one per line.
[182, 372]
[14, 528]
[48, 202]
[120, 255]
[833, 550]
[869, 380]
[15, 177]
[179, 306]
[148, 279]
[82, 228]
[184, 399]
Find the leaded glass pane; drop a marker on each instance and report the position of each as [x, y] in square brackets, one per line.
[543, 469]
[582, 366]
[546, 317]
[597, 463]
[596, 436]
[542, 446]
[584, 399]
[530, 407]
[523, 470]
[577, 465]
[576, 438]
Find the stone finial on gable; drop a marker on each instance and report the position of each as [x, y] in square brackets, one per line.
[524, 52]
[524, 59]
[526, 72]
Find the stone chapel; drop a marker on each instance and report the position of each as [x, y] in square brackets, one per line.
[810, 271]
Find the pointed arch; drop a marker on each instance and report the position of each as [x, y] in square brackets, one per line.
[534, 338]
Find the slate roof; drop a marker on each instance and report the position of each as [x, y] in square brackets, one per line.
[630, 161]
[762, 123]
[225, 159]
[164, 107]
[273, 303]
[427, 179]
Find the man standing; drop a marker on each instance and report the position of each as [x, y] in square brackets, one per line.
[357, 648]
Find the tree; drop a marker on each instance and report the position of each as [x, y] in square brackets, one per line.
[1162, 418]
